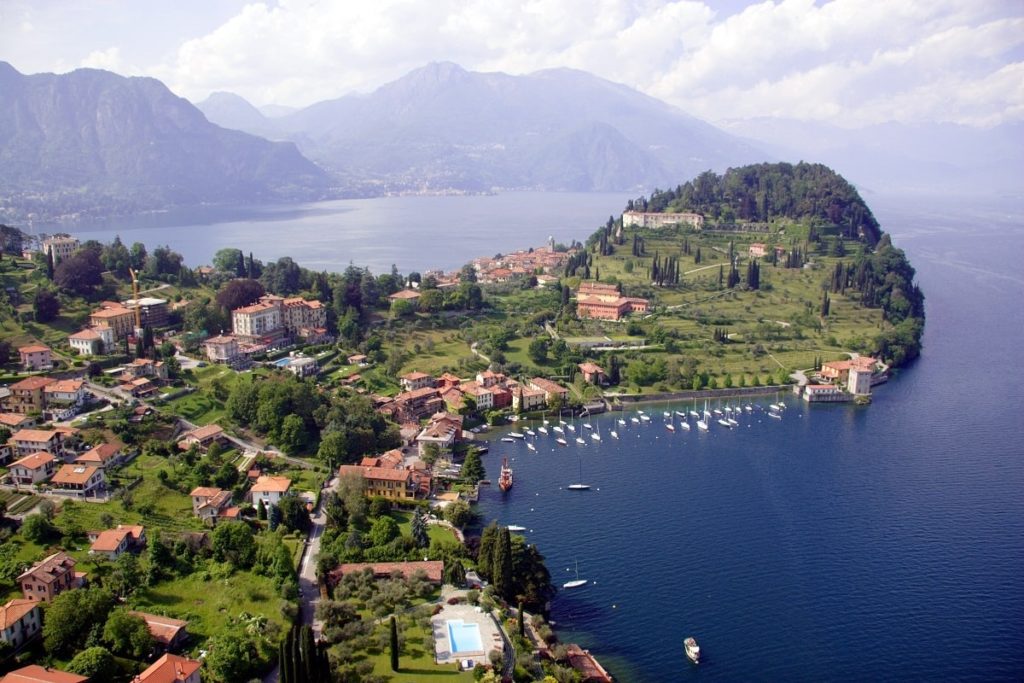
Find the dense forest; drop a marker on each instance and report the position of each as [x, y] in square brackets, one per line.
[763, 192]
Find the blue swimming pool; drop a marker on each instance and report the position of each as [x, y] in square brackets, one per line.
[281, 362]
[464, 637]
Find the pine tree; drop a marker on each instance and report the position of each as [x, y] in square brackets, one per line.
[419, 529]
[394, 644]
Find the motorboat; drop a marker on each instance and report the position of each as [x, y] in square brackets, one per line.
[517, 435]
[692, 650]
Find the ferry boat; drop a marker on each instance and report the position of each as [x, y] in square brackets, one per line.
[505, 479]
[692, 650]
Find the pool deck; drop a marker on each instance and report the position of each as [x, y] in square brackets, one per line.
[489, 635]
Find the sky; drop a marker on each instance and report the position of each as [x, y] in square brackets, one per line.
[845, 62]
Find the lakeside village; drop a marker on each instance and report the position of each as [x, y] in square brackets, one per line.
[153, 533]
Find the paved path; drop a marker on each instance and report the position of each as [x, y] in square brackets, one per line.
[309, 588]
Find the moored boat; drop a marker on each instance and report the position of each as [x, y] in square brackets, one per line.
[505, 478]
[543, 430]
[517, 435]
[561, 442]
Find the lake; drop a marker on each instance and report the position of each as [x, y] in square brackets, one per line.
[840, 543]
[414, 233]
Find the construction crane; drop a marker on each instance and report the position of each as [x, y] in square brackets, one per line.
[135, 293]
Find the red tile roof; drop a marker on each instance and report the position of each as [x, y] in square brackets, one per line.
[163, 629]
[34, 461]
[37, 674]
[168, 669]
[14, 611]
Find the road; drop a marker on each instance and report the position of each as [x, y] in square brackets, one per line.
[309, 587]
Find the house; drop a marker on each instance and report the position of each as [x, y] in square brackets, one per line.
[36, 357]
[483, 397]
[57, 442]
[404, 295]
[102, 455]
[453, 399]
[416, 380]
[444, 430]
[92, 341]
[210, 504]
[112, 543]
[115, 316]
[20, 621]
[431, 570]
[169, 634]
[33, 469]
[305, 318]
[59, 247]
[411, 406]
[393, 459]
[592, 373]
[222, 349]
[604, 302]
[383, 482]
[525, 399]
[302, 365]
[643, 219]
[757, 250]
[259, 323]
[43, 581]
[171, 669]
[83, 480]
[145, 367]
[358, 359]
[141, 386]
[14, 421]
[153, 311]
[551, 389]
[447, 381]
[63, 399]
[202, 437]
[27, 396]
[38, 674]
[270, 490]
[586, 665]
[824, 393]
[840, 369]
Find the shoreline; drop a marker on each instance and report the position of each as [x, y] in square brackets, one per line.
[681, 395]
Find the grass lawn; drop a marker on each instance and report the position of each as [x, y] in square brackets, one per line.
[434, 532]
[199, 407]
[415, 663]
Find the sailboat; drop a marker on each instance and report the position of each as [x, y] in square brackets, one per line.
[580, 486]
[622, 422]
[531, 446]
[693, 411]
[702, 423]
[561, 442]
[615, 434]
[543, 430]
[596, 436]
[684, 425]
[669, 422]
[577, 582]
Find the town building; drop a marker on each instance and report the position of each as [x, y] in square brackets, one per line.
[15, 421]
[152, 311]
[26, 396]
[46, 579]
[269, 490]
[757, 250]
[444, 430]
[259, 323]
[114, 315]
[202, 437]
[81, 480]
[592, 373]
[59, 442]
[60, 247]
[92, 341]
[38, 674]
[430, 570]
[20, 621]
[272, 319]
[552, 390]
[859, 382]
[525, 399]
[383, 482]
[171, 669]
[604, 302]
[416, 380]
[210, 504]
[222, 349]
[643, 219]
[33, 469]
[112, 543]
[413, 406]
[482, 396]
[824, 393]
[168, 633]
[301, 365]
[358, 359]
[102, 455]
[36, 357]
[63, 399]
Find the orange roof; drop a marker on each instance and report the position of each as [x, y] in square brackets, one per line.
[35, 435]
[32, 383]
[270, 484]
[204, 492]
[12, 419]
[13, 611]
[33, 348]
[591, 368]
[412, 376]
[37, 674]
[255, 308]
[405, 294]
[109, 540]
[379, 473]
[548, 386]
[88, 334]
[74, 474]
[220, 339]
[101, 453]
[64, 386]
[35, 460]
[163, 629]
[111, 313]
[168, 669]
[206, 432]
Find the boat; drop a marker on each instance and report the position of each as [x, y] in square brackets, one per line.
[773, 406]
[561, 442]
[516, 528]
[666, 414]
[681, 414]
[732, 422]
[571, 428]
[561, 422]
[635, 420]
[692, 650]
[580, 441]
[772, 413]
[685, 426]
[530, 432]
[547, 422]
[579, 486]
[543, 430]
[717, 412]
[508, 439]
[670, 427]
[531, 446]
[577, 582]
[517, 435]
[615, 434]
[558, 430]
[587, 425]
[724, 423]
[596, 436]
[621, 421]
[749, 408]
[505, 478]
[645, 418]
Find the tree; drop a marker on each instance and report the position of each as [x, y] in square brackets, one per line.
[80, 272]
[45, 305]
[538, 350]
[137, 256]
[261, 511]
[294, 515]
[233, 542]
[231, 657]
[394, 644]
[38, 529]
[95, 663]
[458, 513]
[293, 434]
[401, 308]
[126, 576]
[383, 531]
[473, 468]
[302, 660]
[501, 571]
[485, 554]
[227, 261]
[419, 529]
[128, 634]
[72, 615]
[237, 293]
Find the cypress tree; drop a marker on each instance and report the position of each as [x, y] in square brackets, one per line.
[49, 265]
[394, 644]
[501, 572]
[522, 621]
[485, 556]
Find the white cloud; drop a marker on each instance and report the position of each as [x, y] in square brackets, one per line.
[845, 61]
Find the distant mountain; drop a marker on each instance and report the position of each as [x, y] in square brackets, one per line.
[94, 142]
[441, 126]
[273, 111]
[928, 158]
[229, 110]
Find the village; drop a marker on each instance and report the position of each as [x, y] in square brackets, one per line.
[138, 445]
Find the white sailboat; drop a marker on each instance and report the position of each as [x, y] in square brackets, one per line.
[702, 422]
[577, 582]
[669, 423]
[531, 446]
[530, 432]
[579, 486]
[622, 422]
[634, 420]
[684, 425]
[561, 442]
[693, 411]
[543, 430]
[596, 436]
[615, 434]
[558, 430]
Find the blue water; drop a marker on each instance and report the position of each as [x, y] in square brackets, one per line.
[281, 362]
[882, 543]
[464, 637]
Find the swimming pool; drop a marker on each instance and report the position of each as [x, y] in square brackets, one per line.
[281, 362]
[464, 637]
